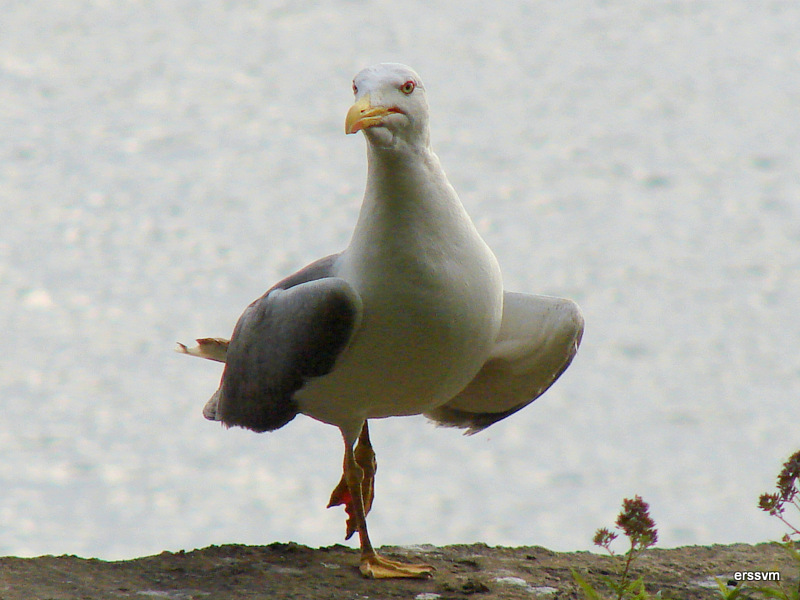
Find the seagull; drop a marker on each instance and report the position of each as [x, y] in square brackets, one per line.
[411, 318]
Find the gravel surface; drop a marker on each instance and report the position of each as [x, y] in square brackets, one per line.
[279, 571]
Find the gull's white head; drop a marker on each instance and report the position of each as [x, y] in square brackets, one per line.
[390, 106]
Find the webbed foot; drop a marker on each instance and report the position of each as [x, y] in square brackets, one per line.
[374, 566]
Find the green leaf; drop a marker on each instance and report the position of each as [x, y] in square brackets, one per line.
[586, 587]
[771, 592]
[726, 592]
[612, 584]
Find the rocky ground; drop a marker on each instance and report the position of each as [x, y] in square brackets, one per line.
[291, 571]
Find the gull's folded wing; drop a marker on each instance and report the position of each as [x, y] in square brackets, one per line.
[294, 332]
[538, 338]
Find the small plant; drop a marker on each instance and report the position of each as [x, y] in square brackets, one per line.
[637, 525]
[788, 495]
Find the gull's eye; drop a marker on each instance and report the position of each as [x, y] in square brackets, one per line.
[355, 88]
[408, 87]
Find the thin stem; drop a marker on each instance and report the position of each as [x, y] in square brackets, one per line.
[794, 529]
[624, 582]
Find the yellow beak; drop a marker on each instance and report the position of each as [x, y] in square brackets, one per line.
[363, 115]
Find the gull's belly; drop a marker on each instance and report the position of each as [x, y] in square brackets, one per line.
[417, 346]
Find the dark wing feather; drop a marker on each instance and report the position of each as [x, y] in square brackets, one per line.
[294, 332]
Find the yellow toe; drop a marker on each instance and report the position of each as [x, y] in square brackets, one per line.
[375, 566]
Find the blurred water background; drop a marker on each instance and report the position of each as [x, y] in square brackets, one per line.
[163, 163]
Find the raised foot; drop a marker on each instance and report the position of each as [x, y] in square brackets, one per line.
[375, 566]
[341, 495]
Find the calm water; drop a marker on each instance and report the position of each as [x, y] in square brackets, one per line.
[162, 164]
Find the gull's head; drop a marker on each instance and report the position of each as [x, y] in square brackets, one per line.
[390, 106]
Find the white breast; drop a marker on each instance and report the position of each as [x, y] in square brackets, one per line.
[432, 296]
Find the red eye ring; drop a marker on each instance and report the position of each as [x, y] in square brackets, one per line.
[355, 88]
[408, 87]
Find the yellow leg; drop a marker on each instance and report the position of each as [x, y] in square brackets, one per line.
[372, 564]
[365, 458]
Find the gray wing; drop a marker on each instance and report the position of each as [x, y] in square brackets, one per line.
[538, 339]
[294, 332]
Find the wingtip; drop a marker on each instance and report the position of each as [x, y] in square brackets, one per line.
[211, 348]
